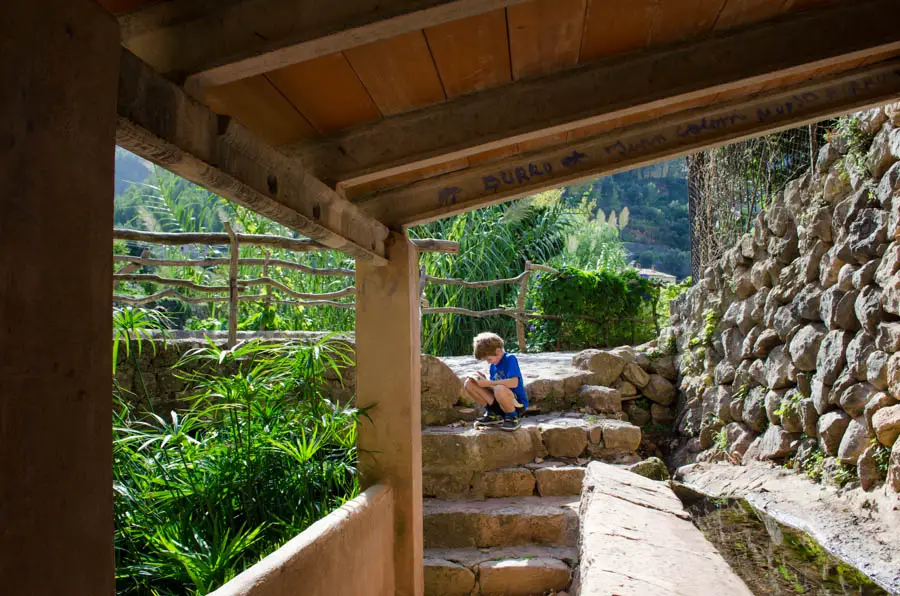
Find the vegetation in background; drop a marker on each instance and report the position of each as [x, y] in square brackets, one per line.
[599, 308]
[261, 454]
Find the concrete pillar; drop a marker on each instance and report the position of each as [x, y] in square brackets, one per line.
[59, 71]
[387, 354]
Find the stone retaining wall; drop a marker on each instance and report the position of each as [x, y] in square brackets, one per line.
[789, 345]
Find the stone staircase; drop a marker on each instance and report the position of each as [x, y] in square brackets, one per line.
[501, 509]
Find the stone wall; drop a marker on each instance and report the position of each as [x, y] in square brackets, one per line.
[789, 345]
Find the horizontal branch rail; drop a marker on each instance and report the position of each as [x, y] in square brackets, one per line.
[169, 281]
[218, 262]
[268, 281]
[473, 284]
[170, 293]
[294, 244]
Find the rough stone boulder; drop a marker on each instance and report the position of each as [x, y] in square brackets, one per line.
[754, 410]
[602, 399]
[652, 468]
[831, 357]
[777, 443]
[893, 477]
[605, 364]
[659, 390]
[886, 423]
[739, 437]
[441, 388]
[854, 398]
[855, 440]
[804, 348]
[877, 402]
[636, 375]
[779, 371]
[665, 367]
[831, 430]
[767, 340]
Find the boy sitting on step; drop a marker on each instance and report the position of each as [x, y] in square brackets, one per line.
[503, 394]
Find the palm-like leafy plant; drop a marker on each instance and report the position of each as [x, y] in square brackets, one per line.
[260, 454]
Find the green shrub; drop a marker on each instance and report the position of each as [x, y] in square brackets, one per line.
[598, 308]
[261, 454]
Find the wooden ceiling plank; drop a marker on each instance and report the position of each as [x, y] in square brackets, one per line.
[492, 155]
[675, 20]
[398, 73]
[259, 106]
[545, 36]
[471, 54]
[742, 12]
[616, 26]
[220, 41]
[604, 90]
[327, 92]
[635, 146]
[161, 123]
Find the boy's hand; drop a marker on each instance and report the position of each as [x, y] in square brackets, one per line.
[484, 383]
[479, 375]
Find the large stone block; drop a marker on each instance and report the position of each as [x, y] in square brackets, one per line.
[877, 402]
[659, 390]
[615, 434]
[779, 369]
[508, 482]
[441, 388]
[563, 440]
[557, 481]
[607, 365]
[522, 577]
[876, 369]
[446, 578]
[602, 399]
[893, 477]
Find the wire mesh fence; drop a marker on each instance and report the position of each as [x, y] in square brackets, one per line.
[729, 185]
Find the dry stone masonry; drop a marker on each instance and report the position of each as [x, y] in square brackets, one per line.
[788, 347]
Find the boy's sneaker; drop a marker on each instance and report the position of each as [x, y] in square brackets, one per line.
[510, 423]
[488, 419]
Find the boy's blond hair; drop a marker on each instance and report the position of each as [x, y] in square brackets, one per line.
[486, 344]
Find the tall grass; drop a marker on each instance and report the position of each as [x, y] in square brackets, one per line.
[261, 454]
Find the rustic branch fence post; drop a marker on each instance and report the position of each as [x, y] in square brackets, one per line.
[234, 254]
[267, 301]
[520, 307]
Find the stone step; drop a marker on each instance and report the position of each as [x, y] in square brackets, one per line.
[550, 478]
[550, 521]
[512, 571]
[460, 462]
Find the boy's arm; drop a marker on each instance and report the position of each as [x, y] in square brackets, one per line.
[511, 383]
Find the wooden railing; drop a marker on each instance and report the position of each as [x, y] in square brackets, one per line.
[236, 286]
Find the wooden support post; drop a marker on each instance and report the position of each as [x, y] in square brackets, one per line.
[520, 306]
[388, 382]
[59, 65]
[234, 254]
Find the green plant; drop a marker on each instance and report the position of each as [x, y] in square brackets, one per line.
[721, 440]
[259, 455]
[742, 392]
[790, 403]
[813, 464]
[882, 457]
[597, 308]
[132, 326]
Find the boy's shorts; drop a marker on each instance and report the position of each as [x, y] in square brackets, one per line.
[520, 409]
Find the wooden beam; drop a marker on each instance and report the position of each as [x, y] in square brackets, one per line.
[635, 146]
[159, 122]
[221, 42]
[604, 90]
[388, 389]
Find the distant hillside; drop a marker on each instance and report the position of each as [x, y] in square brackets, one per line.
[657, 233]
[130, 169]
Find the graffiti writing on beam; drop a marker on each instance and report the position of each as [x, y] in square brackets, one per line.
[591, 155]
[516, 176]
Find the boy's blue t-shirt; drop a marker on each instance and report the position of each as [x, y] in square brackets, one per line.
[507, 368]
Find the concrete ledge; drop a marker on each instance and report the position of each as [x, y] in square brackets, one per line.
[349, 551]
[637, 539]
